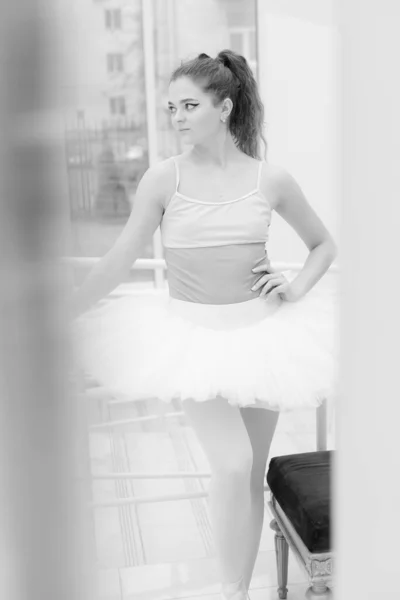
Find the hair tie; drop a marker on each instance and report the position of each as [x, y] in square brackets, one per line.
[226, 63]
[223, 61]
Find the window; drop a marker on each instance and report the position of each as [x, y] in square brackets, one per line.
[243, 41]
[113, 18]
[237, 42]
[115, 63]
[252, 49]
[118, 105]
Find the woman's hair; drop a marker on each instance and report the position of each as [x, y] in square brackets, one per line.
[229, 76]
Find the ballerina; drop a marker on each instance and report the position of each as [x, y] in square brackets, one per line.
[234, 341]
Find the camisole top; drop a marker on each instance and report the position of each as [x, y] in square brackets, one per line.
[211, 246]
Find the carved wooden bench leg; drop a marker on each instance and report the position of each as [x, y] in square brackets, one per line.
[282, 559]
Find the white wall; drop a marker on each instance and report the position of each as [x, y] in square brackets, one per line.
[297, 76]
[367, 489]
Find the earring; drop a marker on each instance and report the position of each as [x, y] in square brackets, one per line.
[223, 119]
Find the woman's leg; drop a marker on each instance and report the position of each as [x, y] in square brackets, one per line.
[221, 432]
[260, 424]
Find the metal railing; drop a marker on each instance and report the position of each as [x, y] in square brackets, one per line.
[159, 266]
[159, 263]
[321, 444]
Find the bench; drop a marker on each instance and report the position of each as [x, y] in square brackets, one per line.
[301, 506]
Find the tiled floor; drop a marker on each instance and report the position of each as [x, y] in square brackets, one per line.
[164, 550]
[193, 580]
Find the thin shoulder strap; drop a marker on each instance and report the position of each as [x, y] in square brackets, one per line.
[177, 172]
[260, 166]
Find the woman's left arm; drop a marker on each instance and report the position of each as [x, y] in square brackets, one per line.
[292, 205]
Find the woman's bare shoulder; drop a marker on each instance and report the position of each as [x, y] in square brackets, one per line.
[160, 178]
[275, 173]
[162, 170]
[275, 179]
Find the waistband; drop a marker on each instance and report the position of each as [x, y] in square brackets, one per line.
[225, 316]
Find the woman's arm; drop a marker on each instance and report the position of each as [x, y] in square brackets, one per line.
[143, 221]
[291, 204]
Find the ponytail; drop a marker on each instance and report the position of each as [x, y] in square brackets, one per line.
[247, 118]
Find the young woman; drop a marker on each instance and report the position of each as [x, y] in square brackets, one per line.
[235, 341]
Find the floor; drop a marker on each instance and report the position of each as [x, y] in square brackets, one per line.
[161, 550]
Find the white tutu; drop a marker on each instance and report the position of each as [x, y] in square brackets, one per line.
[264, 352]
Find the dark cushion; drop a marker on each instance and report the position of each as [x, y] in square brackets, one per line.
[301, 483]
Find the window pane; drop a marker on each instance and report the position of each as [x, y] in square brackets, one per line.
[105, 127]
[236, 44]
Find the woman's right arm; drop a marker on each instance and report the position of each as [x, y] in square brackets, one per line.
[143, 221]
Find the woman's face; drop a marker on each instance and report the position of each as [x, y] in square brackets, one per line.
[192, 111]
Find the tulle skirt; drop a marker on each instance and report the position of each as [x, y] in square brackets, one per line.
[266, 353]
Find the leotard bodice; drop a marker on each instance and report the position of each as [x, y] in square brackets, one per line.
[211, 247]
